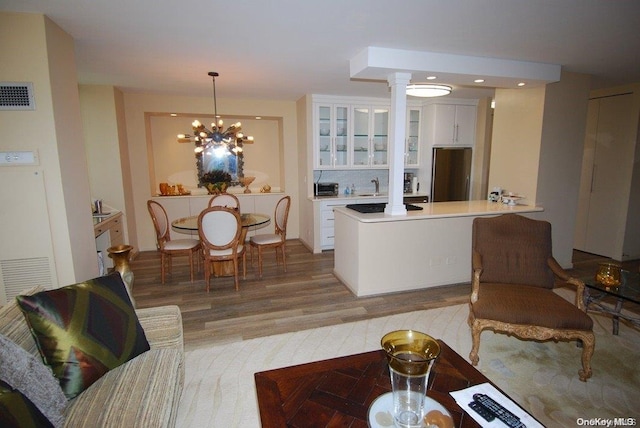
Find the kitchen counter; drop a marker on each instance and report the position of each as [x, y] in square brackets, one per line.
[377, 253]
[363, 195]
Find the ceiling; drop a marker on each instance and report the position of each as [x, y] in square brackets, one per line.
[283, 49]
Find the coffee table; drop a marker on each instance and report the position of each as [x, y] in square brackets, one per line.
[595, 296]
[339, 391]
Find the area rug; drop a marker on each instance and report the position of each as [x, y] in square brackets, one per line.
[542, 377]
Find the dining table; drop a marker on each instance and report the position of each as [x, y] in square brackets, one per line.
[248, 220]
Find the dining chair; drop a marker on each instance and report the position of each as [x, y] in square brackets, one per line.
[220, 229]
[225, 200]
[171, 247]
[275, 240]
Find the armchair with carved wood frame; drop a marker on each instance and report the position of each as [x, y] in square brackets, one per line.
[514, 274]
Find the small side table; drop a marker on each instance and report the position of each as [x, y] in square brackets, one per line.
[598, 298]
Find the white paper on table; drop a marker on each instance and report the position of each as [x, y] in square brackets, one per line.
[465, 396]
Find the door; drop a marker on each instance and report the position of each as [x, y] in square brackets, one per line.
[451, 179]
[611, 176]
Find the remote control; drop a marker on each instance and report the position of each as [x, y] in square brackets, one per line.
[495, 409]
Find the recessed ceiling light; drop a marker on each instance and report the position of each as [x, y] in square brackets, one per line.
[258, 117]
[174, 114]
[521, 84]
[431, 77]
[479, 81]
[427, 90]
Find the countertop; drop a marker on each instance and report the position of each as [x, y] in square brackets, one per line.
[363, 195]
[442, 210]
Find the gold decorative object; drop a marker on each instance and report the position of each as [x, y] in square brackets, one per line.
[265, 189]
[608, 274]
[120, 256]
[246, 181]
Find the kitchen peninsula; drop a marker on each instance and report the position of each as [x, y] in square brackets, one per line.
[377, 253]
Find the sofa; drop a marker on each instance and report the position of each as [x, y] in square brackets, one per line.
[143, 391]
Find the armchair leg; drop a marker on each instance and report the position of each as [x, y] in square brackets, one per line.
[588, 345]
[475, 347]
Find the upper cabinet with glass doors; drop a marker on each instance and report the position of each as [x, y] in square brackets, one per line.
[331, 131]
[412, 146]
[370, 136]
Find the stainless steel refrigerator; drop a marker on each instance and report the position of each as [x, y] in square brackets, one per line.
[451, 174]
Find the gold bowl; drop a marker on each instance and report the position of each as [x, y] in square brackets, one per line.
[608, 274]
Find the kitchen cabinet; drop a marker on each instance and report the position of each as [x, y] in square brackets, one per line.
[450, 124]
[412, 146]
[108, 232]
[606, 223]
[331, 136]
[370, 136]
[324, 218]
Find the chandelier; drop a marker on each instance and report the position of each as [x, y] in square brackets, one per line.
[220, 141]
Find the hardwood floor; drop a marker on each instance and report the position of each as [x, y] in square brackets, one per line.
[306, 296]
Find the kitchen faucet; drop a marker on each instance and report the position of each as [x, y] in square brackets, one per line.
[377, 183]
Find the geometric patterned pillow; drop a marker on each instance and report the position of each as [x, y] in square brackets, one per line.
[17, 411]
[84, 330]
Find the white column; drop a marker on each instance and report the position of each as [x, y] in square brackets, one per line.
[397, 129]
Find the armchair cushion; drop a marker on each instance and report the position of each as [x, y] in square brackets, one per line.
[520, 304]
[515, 251]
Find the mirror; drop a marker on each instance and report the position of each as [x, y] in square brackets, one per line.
[176, 163]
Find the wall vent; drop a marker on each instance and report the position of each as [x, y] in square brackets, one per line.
[16, 96]
[19, 275]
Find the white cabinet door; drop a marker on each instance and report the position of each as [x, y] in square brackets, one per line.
[331, 136]
[450, 124]
[465, 126]
[412, 146]
[370, 136]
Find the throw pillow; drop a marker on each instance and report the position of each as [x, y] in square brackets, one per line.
[28, 375]
[84, 330]
[16, 411]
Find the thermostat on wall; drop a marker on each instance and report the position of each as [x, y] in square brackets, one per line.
[18, 158]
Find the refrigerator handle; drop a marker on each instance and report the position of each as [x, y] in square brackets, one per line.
[467, 186]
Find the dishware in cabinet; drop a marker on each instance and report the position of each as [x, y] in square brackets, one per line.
[331, 136]
[370, 136]
[412, 146]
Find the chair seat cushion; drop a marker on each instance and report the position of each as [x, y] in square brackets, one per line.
[520, 304]
[226, 252]
[266, 239]
[181, 244]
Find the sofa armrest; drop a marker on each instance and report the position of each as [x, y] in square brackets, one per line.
[163, 326]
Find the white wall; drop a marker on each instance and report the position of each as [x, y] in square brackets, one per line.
[36, 50]
[536, 151]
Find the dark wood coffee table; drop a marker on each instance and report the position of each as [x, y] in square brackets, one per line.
[339, 391]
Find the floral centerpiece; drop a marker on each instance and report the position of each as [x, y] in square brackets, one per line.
[216, 181]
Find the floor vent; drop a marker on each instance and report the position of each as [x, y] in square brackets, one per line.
[16, 96]
[19, 275]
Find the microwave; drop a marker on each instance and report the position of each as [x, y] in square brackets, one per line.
[325, 189]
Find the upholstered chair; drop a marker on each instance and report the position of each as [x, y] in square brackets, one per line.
[225, 200]
[275, 240]
[220, 229]
[514, 274]
[168, 247]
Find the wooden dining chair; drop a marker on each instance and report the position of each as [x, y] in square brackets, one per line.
[171, 247]
[225, 200]
[275, 240]
[220, 229]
